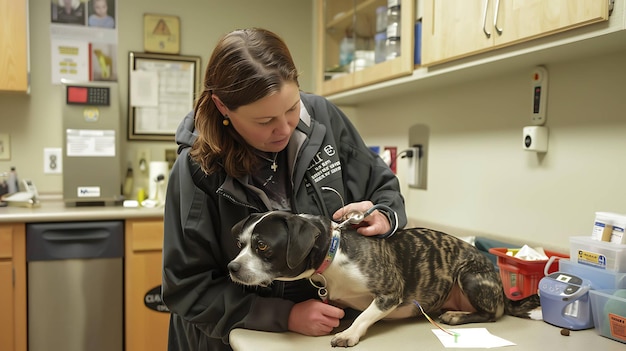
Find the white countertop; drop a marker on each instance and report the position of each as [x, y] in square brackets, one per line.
[416, 334]
[54, 210]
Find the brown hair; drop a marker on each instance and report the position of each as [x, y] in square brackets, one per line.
[246, 65]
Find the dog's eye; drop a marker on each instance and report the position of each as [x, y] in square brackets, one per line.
[261, 246]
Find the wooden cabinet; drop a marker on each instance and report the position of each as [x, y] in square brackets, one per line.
[454, 29]
[12, 287]
[14, 45]
[357, 19]
[146, 327]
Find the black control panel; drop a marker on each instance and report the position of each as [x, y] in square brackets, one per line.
[93, 96]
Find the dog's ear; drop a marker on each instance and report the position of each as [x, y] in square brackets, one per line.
[301, 238]
[238, 227]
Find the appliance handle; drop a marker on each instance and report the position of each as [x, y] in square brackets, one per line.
[546, 268]
[62, 237]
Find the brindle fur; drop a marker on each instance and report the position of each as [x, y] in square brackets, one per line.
[381, 277]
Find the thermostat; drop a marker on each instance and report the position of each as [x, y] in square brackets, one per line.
[539, 96]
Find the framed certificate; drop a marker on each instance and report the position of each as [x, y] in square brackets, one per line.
[162, 90]
[161, 34]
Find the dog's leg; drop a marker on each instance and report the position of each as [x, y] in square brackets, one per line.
[484, 292]
[369, 316]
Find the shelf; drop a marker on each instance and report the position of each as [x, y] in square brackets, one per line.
[585, 42]
[344, 19]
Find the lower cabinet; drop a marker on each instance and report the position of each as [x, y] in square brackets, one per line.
[13, 287]
[146, 319]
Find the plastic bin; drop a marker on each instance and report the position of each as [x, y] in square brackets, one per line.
[520, 278]
[609, 313]
[600, 278]
[600, 254]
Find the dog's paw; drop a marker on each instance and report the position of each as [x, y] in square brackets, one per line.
[454, 317]
[344, 339]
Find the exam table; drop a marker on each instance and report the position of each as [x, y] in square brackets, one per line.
[416, 334]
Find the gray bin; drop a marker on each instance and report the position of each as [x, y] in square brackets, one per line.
[75, 286]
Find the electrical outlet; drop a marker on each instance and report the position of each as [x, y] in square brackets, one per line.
[5, 146]
[413, 175]
[52, 161]
[393, 154]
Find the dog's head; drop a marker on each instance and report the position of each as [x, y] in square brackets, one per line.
[276, 245]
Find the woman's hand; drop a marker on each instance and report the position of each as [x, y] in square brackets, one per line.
[374, 224]
[314, 318]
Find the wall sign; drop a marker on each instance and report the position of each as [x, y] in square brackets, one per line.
[161, 34]
[153, 300]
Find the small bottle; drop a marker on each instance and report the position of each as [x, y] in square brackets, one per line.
[346, 50]
[128, 183]
[394, 28]
[13, 184]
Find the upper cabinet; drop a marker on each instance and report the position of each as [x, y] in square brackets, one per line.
[361, 42]
[14, 45]
[454, 29]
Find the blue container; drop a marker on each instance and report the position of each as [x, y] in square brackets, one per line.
[417, 51]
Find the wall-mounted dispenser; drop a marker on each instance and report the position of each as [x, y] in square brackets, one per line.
[418, 140]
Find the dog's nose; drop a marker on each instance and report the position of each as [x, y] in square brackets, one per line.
[234, 266]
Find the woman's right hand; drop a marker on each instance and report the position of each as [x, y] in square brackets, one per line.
[314, 318]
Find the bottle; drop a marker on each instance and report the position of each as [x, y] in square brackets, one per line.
[128, 183]
[346, 50]
[394, 29]
[13, 184]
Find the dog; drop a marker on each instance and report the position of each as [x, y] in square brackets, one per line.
[383, 278]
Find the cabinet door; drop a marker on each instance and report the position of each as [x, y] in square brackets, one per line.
[7, 296]
[526, 19]
[455, 28]
[356, 19]
[13, 46]
[146, 329]
[12, 287]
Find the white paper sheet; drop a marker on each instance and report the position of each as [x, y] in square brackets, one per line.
[144, 89]
[471, 338]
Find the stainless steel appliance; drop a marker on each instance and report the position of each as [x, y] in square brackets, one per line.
[75, 286]
[91, 135]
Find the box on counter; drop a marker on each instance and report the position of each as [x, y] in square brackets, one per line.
[609, 313]
[599, 254]
[600, 278]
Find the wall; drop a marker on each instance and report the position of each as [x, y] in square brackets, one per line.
[480, 179]
[34, 121]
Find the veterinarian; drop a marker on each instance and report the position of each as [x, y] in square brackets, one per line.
[254, 143]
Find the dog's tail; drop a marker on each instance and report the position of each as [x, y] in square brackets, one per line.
[523, 307]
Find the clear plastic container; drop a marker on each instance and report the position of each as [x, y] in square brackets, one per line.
[393, 47]
[381, 19]
[380, 47]
[346, 51]
[394, 27]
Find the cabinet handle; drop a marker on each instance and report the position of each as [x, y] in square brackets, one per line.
[487, 34]
[495, 18]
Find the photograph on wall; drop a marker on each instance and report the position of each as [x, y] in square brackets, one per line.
[91, 27]
[103, 62]
[101, 14]
[68, 12]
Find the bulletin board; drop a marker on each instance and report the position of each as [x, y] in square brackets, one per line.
[162, 90]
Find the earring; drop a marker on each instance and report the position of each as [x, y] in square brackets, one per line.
[225, 121]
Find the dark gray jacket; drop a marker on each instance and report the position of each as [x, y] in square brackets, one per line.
[200, 210]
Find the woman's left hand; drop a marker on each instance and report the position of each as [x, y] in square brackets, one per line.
[374, 224]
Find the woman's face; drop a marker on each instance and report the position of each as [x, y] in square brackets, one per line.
[267, 124]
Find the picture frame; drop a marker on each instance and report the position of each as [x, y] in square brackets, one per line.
[161, 34]
[162, 90]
